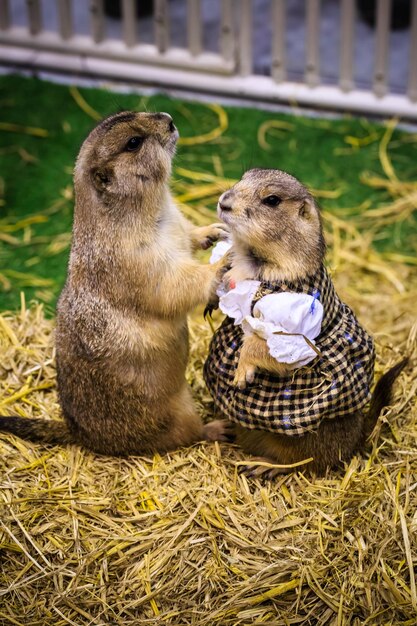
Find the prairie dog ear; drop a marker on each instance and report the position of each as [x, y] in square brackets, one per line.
[307, 208]
[102, 178]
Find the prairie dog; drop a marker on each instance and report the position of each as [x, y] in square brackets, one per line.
[285, 415]
[122, 336]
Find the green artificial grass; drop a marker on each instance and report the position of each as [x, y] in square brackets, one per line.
[35, 172]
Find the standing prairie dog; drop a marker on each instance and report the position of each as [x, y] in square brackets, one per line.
[283, 413]
[122, 336]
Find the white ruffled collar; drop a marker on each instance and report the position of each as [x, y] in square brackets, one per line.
[289, 321]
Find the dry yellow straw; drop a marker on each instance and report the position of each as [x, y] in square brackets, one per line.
[383, 150]
[223, 123]
[25, 130]
[269, 125]
[83, 104]
[182, 538]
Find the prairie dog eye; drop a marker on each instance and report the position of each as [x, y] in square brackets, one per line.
[272, 200]
[134, 143]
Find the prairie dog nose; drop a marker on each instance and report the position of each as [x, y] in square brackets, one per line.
[225, 201]
[168, 118]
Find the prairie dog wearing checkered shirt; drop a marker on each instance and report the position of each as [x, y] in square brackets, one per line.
[122, 336]
[278, 238]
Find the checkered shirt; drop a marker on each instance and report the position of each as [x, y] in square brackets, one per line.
[335, 384]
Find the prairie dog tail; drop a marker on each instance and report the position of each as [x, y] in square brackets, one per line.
[381, 396]
[37, 430]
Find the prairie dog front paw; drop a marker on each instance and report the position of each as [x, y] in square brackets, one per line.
[244, 374]
[205, 236]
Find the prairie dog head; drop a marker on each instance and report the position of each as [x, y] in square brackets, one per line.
[127, 156]
[275, 225]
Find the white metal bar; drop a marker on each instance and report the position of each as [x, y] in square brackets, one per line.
[194, 26]
[227, 30]
[256, 88]
[113, 50]
[97, 20]
[4, 15]
[34, 16]
[161, 21]
[412, 77]
[129, 22]
[65, 18]
[312, 68]
[245, 38]
[383, 20]
[278, 70]
[347, 35]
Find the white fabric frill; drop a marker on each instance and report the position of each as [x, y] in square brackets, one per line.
[220, 250]
[288, 322]
[237, 302]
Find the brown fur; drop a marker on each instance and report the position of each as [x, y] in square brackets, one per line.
[272, 243]
[255, 353]
[286, 242]
[122, 337]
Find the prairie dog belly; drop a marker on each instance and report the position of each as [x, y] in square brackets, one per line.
[130, 351]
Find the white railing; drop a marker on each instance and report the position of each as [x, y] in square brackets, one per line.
[146, 50]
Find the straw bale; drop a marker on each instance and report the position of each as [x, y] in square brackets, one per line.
[183, 538]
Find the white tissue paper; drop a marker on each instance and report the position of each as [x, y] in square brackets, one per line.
[220, 250]
[236, 303]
